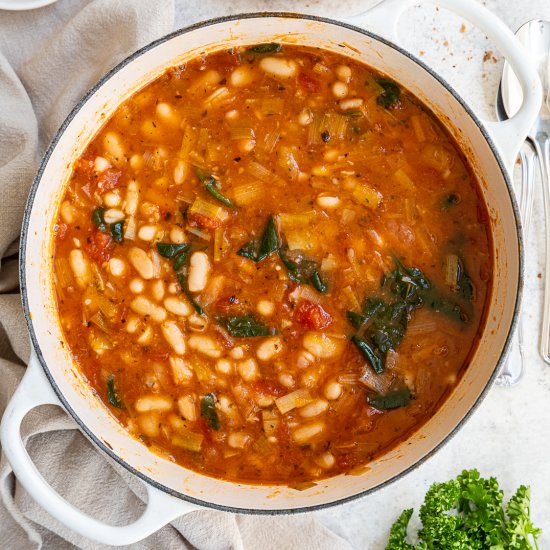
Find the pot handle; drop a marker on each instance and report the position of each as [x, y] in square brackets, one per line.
[33, 391]
[507, 135]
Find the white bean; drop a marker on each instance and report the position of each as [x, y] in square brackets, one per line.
[343, 72]
[339, 89]
[188, 407]
[145, 337]
[325, 460]
[307, 432]
[199, 268]
[153, 403]
[158, 290]
[354, 103]
[141, 262]
[205, 345]
[101, 164]
[241, 76]
[113, 215]
[269, 348]
[224, 366]
[196, 322]
[323, 346]
[173, 336]
[177, 306]
[177, 235]
[137, 286]
[132, 198]
[328, 201]
[136, 162]
[332, 390]
[182, 371]
[144, 306]
[180, 171]
[81, 267]
[149, 424]
[315, 408]
[111, 200]
[147, 232]
[117, 267]
[248, 370]
[237, 352]
[279, 67]
[67, 212]
[114, 147]
[265, 308]
[305, 117]
[286, 380]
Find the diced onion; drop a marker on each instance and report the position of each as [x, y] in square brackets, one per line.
[248, 193]
[186, 439]
[293, 400]
[208, 210]
[272, 106]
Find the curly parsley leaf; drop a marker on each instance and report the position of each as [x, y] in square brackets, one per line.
[468, 513]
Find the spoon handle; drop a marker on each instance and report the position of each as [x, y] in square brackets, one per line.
[515, 363]
[542, 146]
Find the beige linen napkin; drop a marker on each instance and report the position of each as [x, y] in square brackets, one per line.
[48, 59]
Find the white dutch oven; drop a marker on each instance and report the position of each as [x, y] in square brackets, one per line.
[52, 377]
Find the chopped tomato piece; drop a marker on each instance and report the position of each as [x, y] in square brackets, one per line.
[198, 220]
[99, 245]
[268, 387]
[312, 315]
[108, 180]
[308, 83]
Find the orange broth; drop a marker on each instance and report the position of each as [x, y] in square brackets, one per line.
[272, 264]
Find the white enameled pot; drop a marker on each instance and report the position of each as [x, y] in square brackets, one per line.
[52, 377]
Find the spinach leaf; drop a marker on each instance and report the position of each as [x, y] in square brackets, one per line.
[209, 412]
[391, 400]
[181, 259]
[365, 348]
[466, 287]
[302, 270]
[211, 184]
[98, 220]
[270, 47]
[390, 97]
[245, 326]
[169, 250]
[117, 231]
[112, 393]
[268, 244]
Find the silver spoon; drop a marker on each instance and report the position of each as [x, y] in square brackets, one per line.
[509, 98]
[535, 36]
[512, 370]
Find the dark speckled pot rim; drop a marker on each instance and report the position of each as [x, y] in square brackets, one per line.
[25, 236]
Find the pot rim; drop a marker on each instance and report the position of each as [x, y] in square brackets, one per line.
[57, 138]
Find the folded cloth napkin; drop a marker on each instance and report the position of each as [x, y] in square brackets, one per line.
[48, 59]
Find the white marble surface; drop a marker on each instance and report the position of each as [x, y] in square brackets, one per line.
[508, 436]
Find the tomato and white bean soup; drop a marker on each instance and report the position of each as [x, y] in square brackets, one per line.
[272, 264]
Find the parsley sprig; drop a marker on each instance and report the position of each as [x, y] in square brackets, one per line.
[468, 513]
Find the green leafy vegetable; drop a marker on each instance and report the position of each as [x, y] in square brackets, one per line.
[354, 114]
[98, 220]
[302, 270]
[365, 348]
[211, 184]
[468, 513]
[209, 412]
[390, 97]
[383, 322]
[181, 259]
[268, 244]
[117, 231]
[112, 393]
[270, 47]
[169, 250]
[392, 400]
[245, 326]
